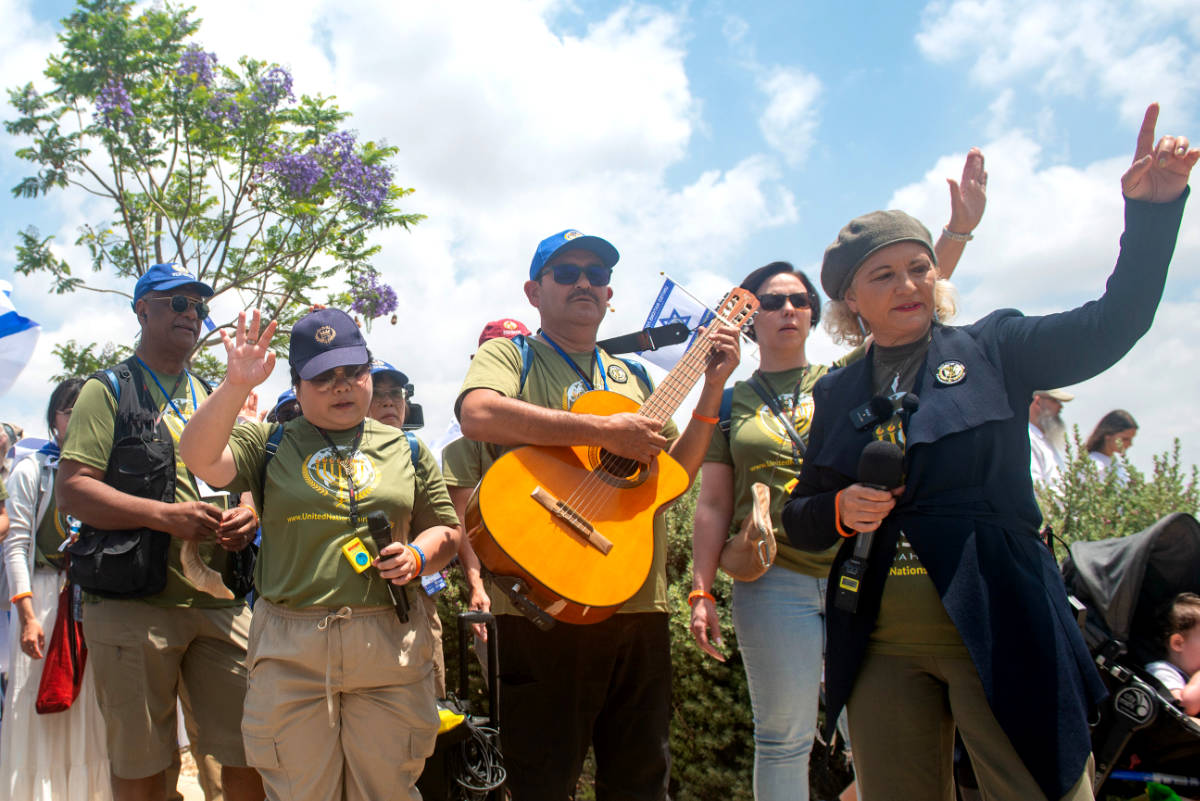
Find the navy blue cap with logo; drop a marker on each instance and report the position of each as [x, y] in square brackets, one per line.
[325, 339]
[164, 277]
[571, 239]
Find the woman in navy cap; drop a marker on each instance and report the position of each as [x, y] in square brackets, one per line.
[341, 701]
[961, 618]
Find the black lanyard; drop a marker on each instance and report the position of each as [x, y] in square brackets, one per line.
[770, 397]
[347, 466]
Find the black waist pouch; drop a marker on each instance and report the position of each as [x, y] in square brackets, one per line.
[120, 564]
[239, 571]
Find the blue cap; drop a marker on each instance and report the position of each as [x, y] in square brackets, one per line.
[325, 339]
[379, 366]
[162, 277]
[288, 394]
[567, 240]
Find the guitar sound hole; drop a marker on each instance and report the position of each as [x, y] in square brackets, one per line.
[618, 470]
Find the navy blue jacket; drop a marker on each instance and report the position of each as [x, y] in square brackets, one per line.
[968, 507]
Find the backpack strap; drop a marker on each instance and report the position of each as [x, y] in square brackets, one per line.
[414, 448]
[526, 358]
[639, 370]
[272, 446]
[725, 415]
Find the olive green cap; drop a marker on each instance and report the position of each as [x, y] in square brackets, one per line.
[861, 237]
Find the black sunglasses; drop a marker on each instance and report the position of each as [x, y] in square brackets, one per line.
[568, 274]
[773, 301]
[322, 382]
[180, 303]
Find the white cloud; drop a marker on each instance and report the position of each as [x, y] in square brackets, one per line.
[1074, 47]
[789, 122]
[1047, 243]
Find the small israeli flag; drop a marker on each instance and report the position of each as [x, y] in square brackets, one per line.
[675, 305]
[18, 336]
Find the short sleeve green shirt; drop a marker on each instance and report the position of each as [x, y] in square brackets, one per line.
[305, 507]
[51, 533]
[89, 441]
[759, 450]
[554, 384]
[464, 461]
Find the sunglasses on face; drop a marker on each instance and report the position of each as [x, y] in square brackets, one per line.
[180, 303]
[322, 382]
[393, 394]
[772, 301]
[567, 274]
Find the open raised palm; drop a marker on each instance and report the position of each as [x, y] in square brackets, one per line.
[249, 359]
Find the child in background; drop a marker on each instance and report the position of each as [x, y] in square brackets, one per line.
[1180, 671]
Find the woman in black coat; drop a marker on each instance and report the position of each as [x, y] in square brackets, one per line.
[962, 619]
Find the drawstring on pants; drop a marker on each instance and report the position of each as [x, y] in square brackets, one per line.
[342, 614]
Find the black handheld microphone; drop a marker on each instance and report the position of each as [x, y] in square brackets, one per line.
[881, 466]
[381, 532]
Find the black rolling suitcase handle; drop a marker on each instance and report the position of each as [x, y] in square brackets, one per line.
[465, 621]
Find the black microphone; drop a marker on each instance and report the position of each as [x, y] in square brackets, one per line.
[381, 532]
[909, 404]
[881, 466]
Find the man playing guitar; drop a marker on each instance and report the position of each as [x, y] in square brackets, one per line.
[607, 684]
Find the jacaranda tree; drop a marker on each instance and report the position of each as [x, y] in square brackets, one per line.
[221, 169]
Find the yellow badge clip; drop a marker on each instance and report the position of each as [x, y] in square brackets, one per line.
[357, 555]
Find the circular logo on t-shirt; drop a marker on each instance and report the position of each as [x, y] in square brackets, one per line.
[323, 472]
[617, 373]
[800, 414]
[572, 393]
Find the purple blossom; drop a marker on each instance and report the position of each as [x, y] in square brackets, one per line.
[112, 103]
[364, 185]
[298, 173]
[223, 107]
[373, 298]
[273, 86]
[196, 63]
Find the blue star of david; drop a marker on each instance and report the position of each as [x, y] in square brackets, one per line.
[674, 317]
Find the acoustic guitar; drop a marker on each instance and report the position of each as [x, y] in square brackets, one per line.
[572, 527]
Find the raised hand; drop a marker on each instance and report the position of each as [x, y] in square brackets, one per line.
[968, 199]
[1159, 172]
[248, 353]
[726, 354]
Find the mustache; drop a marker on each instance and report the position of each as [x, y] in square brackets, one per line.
[582, 293]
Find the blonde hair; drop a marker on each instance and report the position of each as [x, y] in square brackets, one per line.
[847, 328]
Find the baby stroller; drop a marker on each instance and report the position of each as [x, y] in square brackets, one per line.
[1118, 588]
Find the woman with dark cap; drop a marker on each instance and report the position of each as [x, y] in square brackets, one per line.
[961, 617]
[1113, 435]
[778, 617]
[341, 699]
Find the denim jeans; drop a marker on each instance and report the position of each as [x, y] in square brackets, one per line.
[780, 624]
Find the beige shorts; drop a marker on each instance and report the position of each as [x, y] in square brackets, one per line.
[142, 656]
[341, 702]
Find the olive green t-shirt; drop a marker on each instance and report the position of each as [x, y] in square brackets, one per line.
[305, 507]
[553, 384]
[912, 620]
[89, 441]
[464, 461]
[759, 449]
[3, 492]
[51, 533]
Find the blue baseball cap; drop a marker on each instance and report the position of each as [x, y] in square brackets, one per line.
[288, 394]
[567, 240]
[325, 339]
[379, 366]
[162, 277]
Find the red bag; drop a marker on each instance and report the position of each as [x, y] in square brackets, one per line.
[62, 671]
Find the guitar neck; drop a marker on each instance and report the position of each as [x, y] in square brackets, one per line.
[679, 382]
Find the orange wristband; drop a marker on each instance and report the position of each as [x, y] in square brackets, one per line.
[710, 420]
[837, 515]
[696, 595]
[19, 596]
[253, 511]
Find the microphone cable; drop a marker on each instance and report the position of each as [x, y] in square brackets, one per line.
[476, 763]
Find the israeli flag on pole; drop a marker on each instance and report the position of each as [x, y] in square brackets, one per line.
[18, 336]
[675, 305]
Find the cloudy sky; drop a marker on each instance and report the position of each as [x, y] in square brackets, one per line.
[704, 139]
